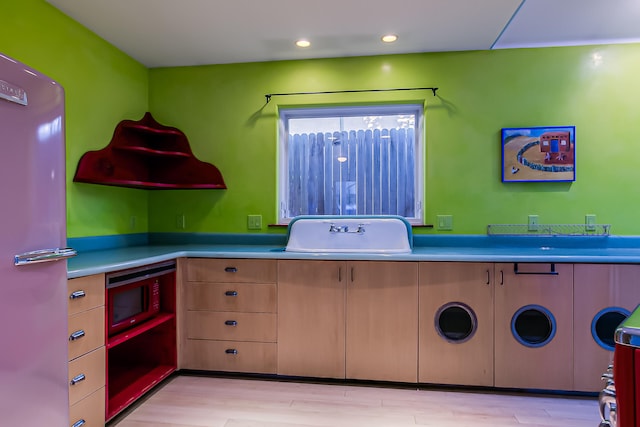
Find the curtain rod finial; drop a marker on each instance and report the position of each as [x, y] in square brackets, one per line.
[268, 97]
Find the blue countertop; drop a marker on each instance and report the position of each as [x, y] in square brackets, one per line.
[140, 250]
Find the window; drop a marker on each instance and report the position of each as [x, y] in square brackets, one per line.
[351, 161]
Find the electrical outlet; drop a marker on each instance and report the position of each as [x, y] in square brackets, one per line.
[445, 222]
[181, 222]
[533, 223]
[254, 222]
[590, 222]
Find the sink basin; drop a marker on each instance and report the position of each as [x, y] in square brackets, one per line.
[349, 234]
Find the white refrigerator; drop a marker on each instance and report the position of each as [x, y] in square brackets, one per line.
[33, 270]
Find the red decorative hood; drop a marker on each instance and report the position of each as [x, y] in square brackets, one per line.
[146, 154]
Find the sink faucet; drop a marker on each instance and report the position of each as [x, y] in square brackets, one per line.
[338, 229]
[345, 229]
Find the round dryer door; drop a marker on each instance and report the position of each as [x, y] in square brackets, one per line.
[533, 326]
[604, 324]
[456, 322]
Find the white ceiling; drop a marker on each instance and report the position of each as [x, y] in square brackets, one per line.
[164, 33]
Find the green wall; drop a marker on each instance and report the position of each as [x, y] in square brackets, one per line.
[102, 86]
[222, 110]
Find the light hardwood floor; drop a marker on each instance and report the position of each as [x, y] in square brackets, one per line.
[189, 401]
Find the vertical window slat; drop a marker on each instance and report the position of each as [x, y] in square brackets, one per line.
[368, 173]
[393, 170]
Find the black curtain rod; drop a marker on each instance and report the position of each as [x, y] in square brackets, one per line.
[269, 95]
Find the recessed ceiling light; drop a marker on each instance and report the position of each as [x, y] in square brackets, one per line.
[303, 43]
[389, 38]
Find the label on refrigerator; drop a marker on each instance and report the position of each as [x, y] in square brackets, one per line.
[13, 93]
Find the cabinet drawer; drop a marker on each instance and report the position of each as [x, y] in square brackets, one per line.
[88, 326]
[246, 297]
[231, 270]
[85, 293]
[90, 409]
[231, 326]
[86, 375]
[255, 357]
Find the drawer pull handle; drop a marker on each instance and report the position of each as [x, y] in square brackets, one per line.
[79, 423]
[552, 270]
[231, 351]
[231, 269]
[77, 294]
[231, 293]
[76, 335]
[75, 380]
[231, 323]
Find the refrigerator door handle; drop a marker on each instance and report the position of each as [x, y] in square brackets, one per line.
[44, 255]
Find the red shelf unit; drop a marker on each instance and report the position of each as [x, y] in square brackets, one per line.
[145, 154]
[139, 358]
[140, 329]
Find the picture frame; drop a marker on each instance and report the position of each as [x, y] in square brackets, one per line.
[538, 154]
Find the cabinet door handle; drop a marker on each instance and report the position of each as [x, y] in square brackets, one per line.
[78, 423]
[77, 294]
[231, 351]
[75, 380]
[76, 335]
[488, 278]
[352, 274]
[339, 274]
[231, 269]
[231, 293]
[231, 323]
[552, 270]
[501, 277]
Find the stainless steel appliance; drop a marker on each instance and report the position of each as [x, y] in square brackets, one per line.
[33, 274]
[607, 401]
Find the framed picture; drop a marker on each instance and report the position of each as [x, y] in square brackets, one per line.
[539, 154]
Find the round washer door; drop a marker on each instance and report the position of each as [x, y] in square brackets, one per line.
[456, 322]
[533, 326]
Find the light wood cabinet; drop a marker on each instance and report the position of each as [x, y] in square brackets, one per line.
[382, 321]
[354, 320]
[230, 315]
[598, 287]
[524, 289]
[87, 350]
[456, 348]
[90, 410]
[378, 320]
[311, 318]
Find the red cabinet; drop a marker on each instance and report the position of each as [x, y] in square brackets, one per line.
[140, 357]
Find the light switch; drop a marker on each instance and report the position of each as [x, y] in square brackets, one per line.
[445, 222]
[254, 222]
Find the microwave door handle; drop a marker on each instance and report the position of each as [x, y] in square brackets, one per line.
[44, 255]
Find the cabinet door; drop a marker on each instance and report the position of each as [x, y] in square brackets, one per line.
[382, 321]
[546, 362]
[606, 290]
[311, 315]
[456, 321]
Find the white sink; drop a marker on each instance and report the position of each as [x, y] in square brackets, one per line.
[349, 234]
